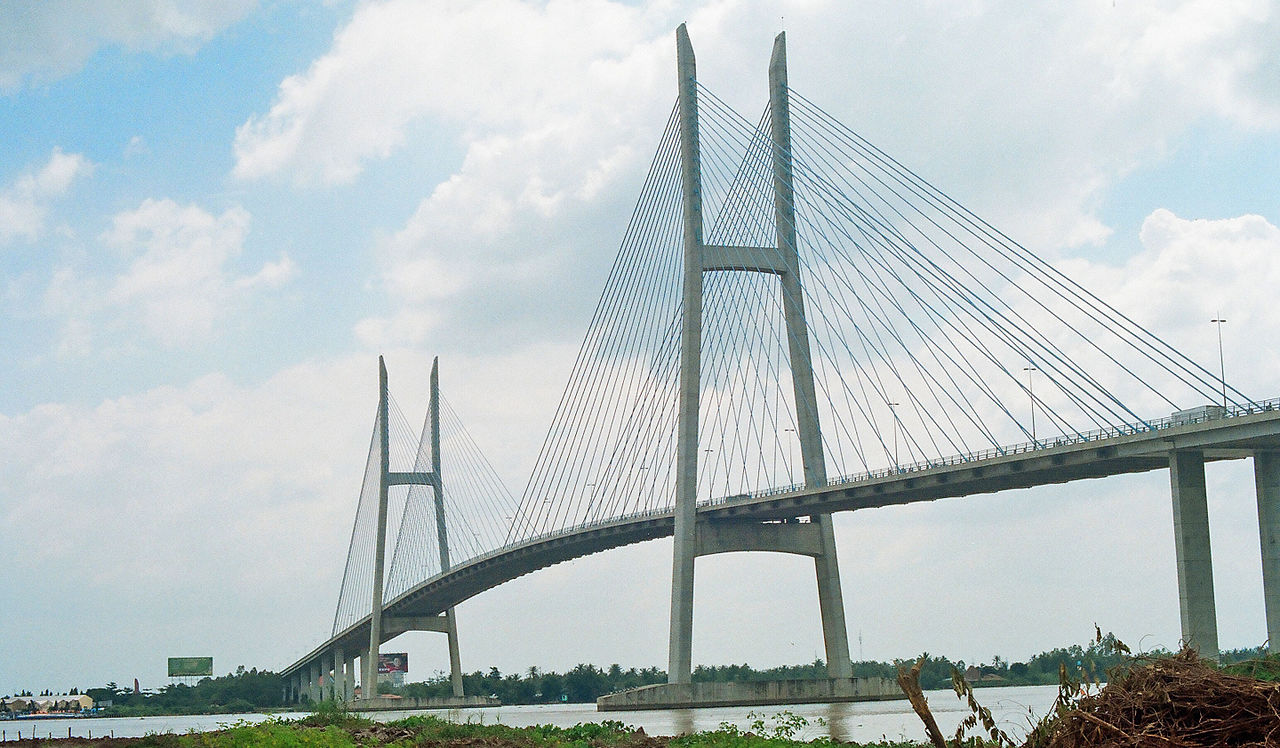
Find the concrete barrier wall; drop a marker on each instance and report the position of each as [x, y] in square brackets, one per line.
[383, 704]
[752, 693]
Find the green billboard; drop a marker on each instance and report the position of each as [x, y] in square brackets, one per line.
[184, 667]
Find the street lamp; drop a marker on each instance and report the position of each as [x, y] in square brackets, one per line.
[1222, 367]
[1031, 370]
[894, 412]
[710, 479]
[791, 456]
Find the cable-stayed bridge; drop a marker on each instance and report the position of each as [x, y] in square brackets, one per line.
[796, 324]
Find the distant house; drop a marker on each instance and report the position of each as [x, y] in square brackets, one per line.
[59, 703]
[975, 674]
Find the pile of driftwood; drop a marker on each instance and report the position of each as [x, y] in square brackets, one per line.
[1173, 702]
[1180, 701]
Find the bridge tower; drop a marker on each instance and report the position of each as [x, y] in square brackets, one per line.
[814, 538]
[381, 628]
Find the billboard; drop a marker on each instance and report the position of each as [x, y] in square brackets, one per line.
[394, 662]
[184, 667]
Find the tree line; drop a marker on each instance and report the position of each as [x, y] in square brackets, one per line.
[235, 693]
[248, 690]
[584, 683]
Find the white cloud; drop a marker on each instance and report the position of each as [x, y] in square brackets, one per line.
[177, 282]
[137, 146]
[486, 67]
[159, 485]
[226, 496]
[151, 492]
[1035, 112]
[1027, 114]
[272, 275]
[42, 41]
[24, 204]
[1193, 270]
[1205, 55]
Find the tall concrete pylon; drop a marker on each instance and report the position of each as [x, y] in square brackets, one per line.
[442, 532]
[814, 538]
[370, 679]
[381, 629]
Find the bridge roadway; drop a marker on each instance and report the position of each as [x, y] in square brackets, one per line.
[1242, 433]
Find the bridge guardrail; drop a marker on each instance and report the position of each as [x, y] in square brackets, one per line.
[985, 454]
[1157, 424]
[1111, 432]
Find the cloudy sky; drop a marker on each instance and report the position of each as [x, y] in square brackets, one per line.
[214, 217]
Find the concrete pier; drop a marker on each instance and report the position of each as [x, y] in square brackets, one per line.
[751, 693]
[389, 704]
[1191, 541]
[339, 675]
[1266, 474]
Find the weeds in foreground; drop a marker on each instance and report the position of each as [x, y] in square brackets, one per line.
[1072, 693]
[1265, 668]
[1178, 700]
[780, 730]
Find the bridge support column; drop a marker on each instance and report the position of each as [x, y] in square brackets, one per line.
[831, 604]
[1195, 564]
[313, 687]
[455, 658]
[1266, 475]
[339, 675]
[349, 683]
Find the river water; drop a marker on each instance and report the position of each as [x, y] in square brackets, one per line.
[1012, 707]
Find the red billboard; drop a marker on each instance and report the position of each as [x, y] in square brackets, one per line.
[395, 662]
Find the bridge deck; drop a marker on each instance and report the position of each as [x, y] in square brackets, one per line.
[1146, 447]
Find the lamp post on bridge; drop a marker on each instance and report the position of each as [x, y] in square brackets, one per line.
[893, 410]
[791, 454]
[711, 482]
[1222, 367]
[1030, 369]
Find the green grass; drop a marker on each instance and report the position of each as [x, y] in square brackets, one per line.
[332, 727]
[1263, 668]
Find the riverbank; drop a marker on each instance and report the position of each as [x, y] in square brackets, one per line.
[343, 730]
